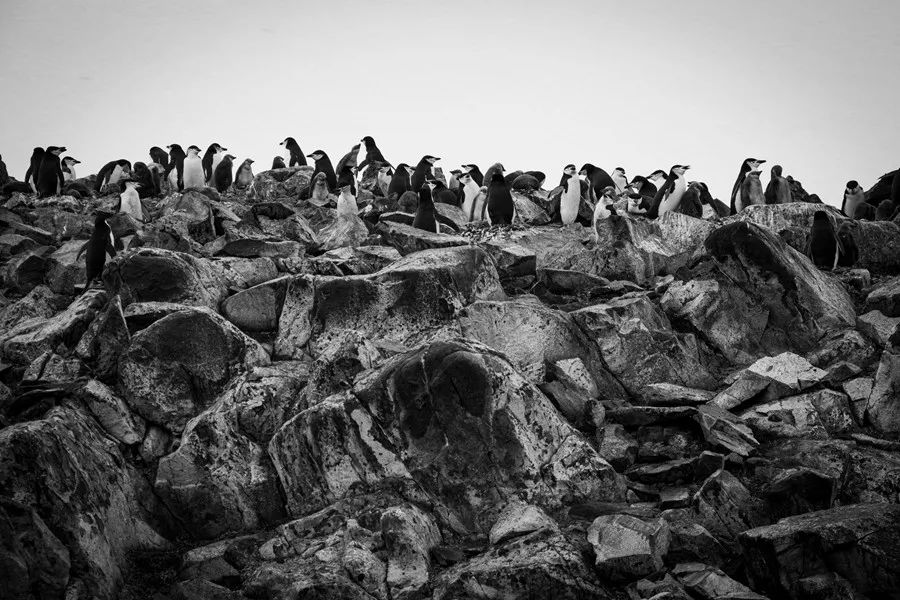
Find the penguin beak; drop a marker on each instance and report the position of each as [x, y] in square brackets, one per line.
[686, 167]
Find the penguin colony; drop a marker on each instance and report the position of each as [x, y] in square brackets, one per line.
[587, 195]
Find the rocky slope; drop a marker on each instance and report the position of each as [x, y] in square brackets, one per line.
[264, 400]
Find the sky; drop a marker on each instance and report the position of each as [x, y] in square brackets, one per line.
[808, 84]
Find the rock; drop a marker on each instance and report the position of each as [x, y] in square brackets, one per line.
[409, 535]
[858, 391]
[726, 508]
[692, 542]
[154, 275]
[769, 379]
[628, 548]
[35, 563]
[257, 309]
[433, 402]
[361, 260]
[105, 339]
[518, 519]
[261, 247]
[857, 542]
[639, 347]
[883, 407]
[670, 472]
[528, 211]
[408, 239]
[617, 447]
[670, 394]
[65, 272]
[885, 297]
[25, 271]
[799, 491]
[348, 231]
[175, 367]
[269, 186]
[816, 414]
[200, 589]
[155, 444]
[877, 327]
[33, 337]
[39, 302]
[13, 243]
[52, 368]
[243, 273]
[75, 479]
[753, 295]
[638, 416]
[541, 565]
[112, 413]
[512, 260]
[710, 583]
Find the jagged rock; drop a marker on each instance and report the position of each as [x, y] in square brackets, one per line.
[35, 563]
[844, 346]
[710, 583]
[408, 239]
[627, 548]
[155, 275]
[519, 519]
[670, 394]
[41, 236]
[155, 444]
[801, 490]
[639, 416]
[883, 407]
[726, 508]
[201, 589]
[856, 542]
[885, 297]
[75, 479]
[257, 308]
[360, 260]
[261, 247]
[53, 368]
[13, 243]
[858, 391]
[816, 414]
[877, 327]
[409, 535]
[670, 472]
[348, 231]
[242, 273]
[33, 337]
[141, 315]
[175, 367]
[512, 260]
[753, 295]
[433, 403]
[196, 209]
[272, 185]
[692, 542]
[105, 339]
[65, 273]
[39, 302]
[541, 565]
[617, 447]
[25, 271]
[639, 347]
[112, 413]
[768, 379]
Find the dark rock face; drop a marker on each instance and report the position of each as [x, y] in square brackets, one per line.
[264, 399]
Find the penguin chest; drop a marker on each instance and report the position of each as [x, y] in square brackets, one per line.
[193, 173]
[116, 175]
[568, 206]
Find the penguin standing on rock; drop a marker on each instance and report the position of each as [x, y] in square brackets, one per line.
[194, 176]
[597, 177]
[112, 173]
[68, 168]
[159, 156]
[175, 170]
[346, 203]
[323, 165]
[752, 190]
[621, 181]
[400, 181]
[297, 159]
[669, 196]
[501, 209]
[885, 211]
[223, 175]
[97, 247]
[373, 154]
[779, 190]
[473, 198]
[737, 201]
[278, 163]
[319, 195]
[568, 171]
[423, 172]
[570, 201]
[823, 246]
[130, 201]
[425, 219]
[346, 176]
[349, 159]
[146, 180]
[244, 176]
[50, 176]
[211, 159]
[854, 197]
[34, 167]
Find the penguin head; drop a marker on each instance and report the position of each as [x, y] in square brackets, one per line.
[430, 159]
[193, 150]
[776, 171]
[320, 179]
[317, 155]
[354, 148]
[820, 216]
[368, 141]
[456, 173]
[609, 192]
[586, 169]
[619, 171]
[466, 168]
[229, 157]
[852, 185]
[288, 142]
[57, 150]
[404, 167]
[569, 169]
[753, 163]
[657, 175]
[465, 178]
[214, 148]
[71, 161]
[174, 148]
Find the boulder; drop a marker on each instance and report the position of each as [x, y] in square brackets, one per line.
[877, 326]
[360, 260]
[710, 583]
[856, 542]
[617, 446]
[883, 406]
[272, 185]
[628, 548]
[25, 271]
[65, 271]
[885, 297]
[347, 231]
[512, 260]
[409, 535]
[519, 519]
[175, 368]
[257, 309]
[726, 507]
[259, 246]
[670, 394]
[35, 562]
[105, 339]
[40, 302]
[722, 428]
[769, 379]
[112, 413]
[816, 414]
[408, 239]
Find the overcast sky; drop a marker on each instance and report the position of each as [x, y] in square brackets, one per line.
[810, 85]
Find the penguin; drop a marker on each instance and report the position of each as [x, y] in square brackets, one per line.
[278, 163]
[494, 168]
[319, 195]
[885, 210]
[568, 171]
[737, 202]
[50, 176]
[211, 159]
[346, 203]
[348, 160]
[323, 165]
[425, 210]
[97, 247]
[223, 175]
[620, 180]
[602, 210]
[528, 181]
[244, 176]
[778, 191]
[669, 196]
[691, 203]
[501, 209]
[156, 174]
[148, 186]
[68, 168]
[473, 198]
[175, 170]
[854, 196]
[597, 177]
[297, 159]
[441, 193]
[823, 245]
[849, 252]
[34, 167]
[895, 189]
[511, 177]
[193, 169]
[475, 172]
[637, 204]
[655, 180]
[130, 201]
[111, 173]
[751, 189]
[422, 172]
[373, 154]
[453, 182]
[400, 181]
[4, 174]
[346, 175]
[159, 156]
[384, 178]
[570, 201]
